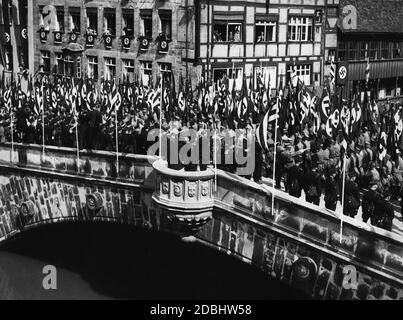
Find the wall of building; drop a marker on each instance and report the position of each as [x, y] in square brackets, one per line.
[177, 48]
[278, 54]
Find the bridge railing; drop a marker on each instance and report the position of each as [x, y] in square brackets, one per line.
[370, 247]
[91, 164]
[374, 249]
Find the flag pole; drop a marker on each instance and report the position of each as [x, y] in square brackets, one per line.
[342, 196]
[344, 182]
[12, 129]
[161, 104]
[275, 155]
[43, 118]
[77, 142]
[215, 159]
[117, 140]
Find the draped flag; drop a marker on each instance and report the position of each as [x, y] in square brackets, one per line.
[332, 74]
[262, 130]
[345, 121]
[356, 117]
[382, 144]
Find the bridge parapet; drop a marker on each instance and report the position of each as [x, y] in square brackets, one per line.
[307, 236]
[298, 243]
[91, 164]
[186, 198]
[361, 244]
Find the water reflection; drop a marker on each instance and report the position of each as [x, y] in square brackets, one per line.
[99, 261]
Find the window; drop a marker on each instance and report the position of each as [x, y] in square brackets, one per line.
[128, 69]
[74, 18]
[300, 29]
[342, 51]
[78, 67]
[146, 25]
[109, 21]
[331, 55]
[110, 68]
[92, 67]
[45, 56]
[128, 23]
[397, 49]
[302, 72]
[233, 74]
[92, 21]
[364, 50]
[69, 65]
[166, 23]
[59, 63]
[385, 52]
[227, 31]
[166, 69]
[146, 71]
[353, 50]
[268, 76]
[60, 19]
[265, 31]
[373, 50]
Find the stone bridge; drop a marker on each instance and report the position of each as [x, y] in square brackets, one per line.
[298, 243]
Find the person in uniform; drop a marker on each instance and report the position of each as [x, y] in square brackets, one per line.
[312, 185]
[295, 178]
[331, 189]
[369, 199]
[384, 213]
[352, 200]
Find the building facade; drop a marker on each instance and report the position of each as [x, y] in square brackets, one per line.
[270, 37]
[114, 39]
[372, 30]
[14, 52]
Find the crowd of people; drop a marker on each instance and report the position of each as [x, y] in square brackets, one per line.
[307, 159]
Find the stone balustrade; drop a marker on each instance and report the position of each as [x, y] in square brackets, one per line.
[298, 243]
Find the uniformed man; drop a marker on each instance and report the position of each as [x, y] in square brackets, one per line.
[295, 178]
[312, 186]
[352, 200]
[384, 213]
[331, 189]
[369, 200]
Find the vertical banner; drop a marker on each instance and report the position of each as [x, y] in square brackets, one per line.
[6, 22]
[21, 34]
[5, 35]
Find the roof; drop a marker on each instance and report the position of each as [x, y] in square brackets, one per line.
[375, 16]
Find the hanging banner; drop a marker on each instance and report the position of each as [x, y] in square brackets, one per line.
[144, 43]
[126, 42]
[73, 37]
[163, 46]
[58, 37]
[108, 41]
[6, 37]
[43, 34]
[90, 40]
[342, 73]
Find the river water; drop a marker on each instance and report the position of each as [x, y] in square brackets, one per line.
[100, 261]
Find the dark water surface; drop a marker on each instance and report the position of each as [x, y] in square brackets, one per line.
[104, 261]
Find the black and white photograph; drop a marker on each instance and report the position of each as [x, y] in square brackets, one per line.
[205, 154]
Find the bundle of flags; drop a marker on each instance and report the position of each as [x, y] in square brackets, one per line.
[295, 105]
